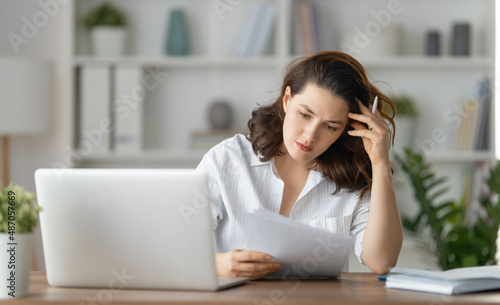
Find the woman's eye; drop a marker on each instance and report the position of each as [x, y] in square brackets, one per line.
[331, 128]
[304, 115]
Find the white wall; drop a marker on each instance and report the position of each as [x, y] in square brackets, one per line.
[49, 41]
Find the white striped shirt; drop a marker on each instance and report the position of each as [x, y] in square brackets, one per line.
[239, 182]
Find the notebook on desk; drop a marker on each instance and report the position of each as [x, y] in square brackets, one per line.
[127, 228]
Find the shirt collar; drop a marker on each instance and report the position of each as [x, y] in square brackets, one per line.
[315, 177]
[313, 180]
[255, 160]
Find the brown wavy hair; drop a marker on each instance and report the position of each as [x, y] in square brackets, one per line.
[345, 162]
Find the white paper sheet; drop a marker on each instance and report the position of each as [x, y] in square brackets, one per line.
[303, 251]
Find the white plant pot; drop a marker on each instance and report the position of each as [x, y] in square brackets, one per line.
[108, 40]
[15, 264]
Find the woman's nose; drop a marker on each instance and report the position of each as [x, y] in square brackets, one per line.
[310, 133]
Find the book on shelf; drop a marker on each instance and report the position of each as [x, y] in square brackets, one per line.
[95, 108]
[307, 29]
[454, 281]
[204, 140]
[484, 94]
[474, 127]
[127, 110]
[244, 34]
[298, 45]
[469, 126]
[254, 35]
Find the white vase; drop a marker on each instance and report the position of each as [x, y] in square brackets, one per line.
[15, 264]
[108, 40]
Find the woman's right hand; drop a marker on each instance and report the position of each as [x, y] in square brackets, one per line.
[242, 263]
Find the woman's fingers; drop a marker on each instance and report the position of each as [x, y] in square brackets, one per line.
[243, 255]
[256, 262]
[251, 264]
[361, 118]
[364, 110]
[373, 120]
[257, 267]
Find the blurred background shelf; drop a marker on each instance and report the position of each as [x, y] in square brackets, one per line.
[466, 157]
[180, 62]
[421, 62]
[188, 86]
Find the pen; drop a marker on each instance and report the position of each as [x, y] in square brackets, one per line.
[375, 104]
[374, 108]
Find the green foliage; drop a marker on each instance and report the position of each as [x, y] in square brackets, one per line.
[456, 243]
[17, 207]
[105, 14]
[405, 106]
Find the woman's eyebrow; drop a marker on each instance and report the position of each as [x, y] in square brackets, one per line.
[312, 112]
[307, 108]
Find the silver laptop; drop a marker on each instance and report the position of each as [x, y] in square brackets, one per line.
[128, 228]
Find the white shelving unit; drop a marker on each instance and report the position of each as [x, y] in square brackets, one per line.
[211, 73]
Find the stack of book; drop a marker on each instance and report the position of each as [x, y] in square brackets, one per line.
[307, 29]
[454, 281]
[473, 131]
[254, 35]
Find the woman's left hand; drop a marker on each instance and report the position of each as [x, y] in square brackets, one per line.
[376, 140]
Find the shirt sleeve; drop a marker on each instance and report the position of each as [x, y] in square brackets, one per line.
[358, 225]
[209, 166]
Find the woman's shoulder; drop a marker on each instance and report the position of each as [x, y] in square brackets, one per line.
[237, 146]
[238, 141]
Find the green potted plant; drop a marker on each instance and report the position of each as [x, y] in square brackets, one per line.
[106, 24]
[18, 218]
[405, 120]
[454, 240]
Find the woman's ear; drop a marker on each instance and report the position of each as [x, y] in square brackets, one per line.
[286, 98]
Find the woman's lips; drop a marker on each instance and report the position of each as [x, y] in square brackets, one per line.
[303, 147]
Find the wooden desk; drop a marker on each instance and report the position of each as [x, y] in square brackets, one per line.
[352, 288]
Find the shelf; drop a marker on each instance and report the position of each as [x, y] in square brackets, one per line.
[455, 156]
[427, 62]
[402, 62]
[248, 81]
[191, 156]
[272, 61]
[181, 62]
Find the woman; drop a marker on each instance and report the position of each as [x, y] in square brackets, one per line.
[319, 156]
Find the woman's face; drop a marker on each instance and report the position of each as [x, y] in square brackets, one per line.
[314, 119]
